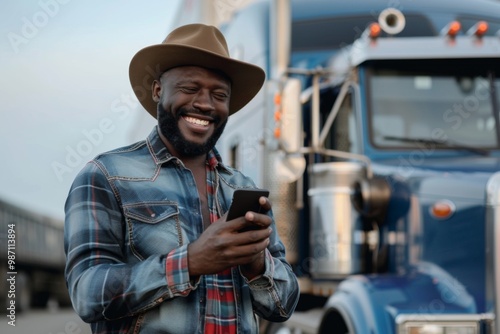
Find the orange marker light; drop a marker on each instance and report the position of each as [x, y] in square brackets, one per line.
[277, 116]
[277, 99]
[479, 29]
[277, 133]
[453, 28]
[442, 209]
[374, 30]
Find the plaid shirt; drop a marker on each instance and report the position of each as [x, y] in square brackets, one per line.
[220, 316]
[130, 215]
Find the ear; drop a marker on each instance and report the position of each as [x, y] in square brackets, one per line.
[156, 91]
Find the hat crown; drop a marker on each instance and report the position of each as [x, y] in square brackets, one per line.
[201, 36]
[193, 45]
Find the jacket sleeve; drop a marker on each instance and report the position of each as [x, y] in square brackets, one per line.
[101, 284]
[276, 292]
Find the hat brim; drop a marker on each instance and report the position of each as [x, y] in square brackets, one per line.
[149, 63]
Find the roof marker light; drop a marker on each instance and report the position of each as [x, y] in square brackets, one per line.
[479, 29]
[375, 30]
[452, 29]
[372, 31]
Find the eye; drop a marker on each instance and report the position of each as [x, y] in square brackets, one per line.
[188, 89]
[221, 96]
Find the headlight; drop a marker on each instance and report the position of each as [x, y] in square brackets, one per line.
[441, 323]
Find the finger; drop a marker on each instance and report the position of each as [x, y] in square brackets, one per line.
[258, 219]
[240, 223]
[232, 226]
[254, 236]
[249, 221]
[242, 254]
[265, 203]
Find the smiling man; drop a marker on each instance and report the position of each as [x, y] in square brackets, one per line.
[201, 98]
[149, 249]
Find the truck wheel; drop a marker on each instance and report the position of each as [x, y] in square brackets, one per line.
[334, 321]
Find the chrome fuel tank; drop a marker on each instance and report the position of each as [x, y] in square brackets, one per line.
[335, 236]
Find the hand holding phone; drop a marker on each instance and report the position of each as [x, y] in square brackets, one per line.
[245, 200]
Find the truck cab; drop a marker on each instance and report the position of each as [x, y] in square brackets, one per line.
[379, 139]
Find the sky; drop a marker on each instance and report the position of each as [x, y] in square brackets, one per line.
[64, 90]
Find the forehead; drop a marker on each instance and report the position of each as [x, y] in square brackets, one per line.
[194, 74]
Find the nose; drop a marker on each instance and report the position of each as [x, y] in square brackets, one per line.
[203, 101]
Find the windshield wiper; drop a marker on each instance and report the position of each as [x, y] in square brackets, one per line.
[440, 143]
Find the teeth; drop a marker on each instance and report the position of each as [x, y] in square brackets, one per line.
[196, 121]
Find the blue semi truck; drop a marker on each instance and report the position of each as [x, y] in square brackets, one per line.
[378, 134]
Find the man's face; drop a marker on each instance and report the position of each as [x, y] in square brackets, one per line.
[193, 109]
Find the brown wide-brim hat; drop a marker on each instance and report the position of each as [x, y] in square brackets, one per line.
[193, 45]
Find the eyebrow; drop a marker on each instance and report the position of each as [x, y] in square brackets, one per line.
[220, 85]
[228, 83]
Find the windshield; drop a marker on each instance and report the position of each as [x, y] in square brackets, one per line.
[445, 102]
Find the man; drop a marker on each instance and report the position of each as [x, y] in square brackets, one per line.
[149, 249]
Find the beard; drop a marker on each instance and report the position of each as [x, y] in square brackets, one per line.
[169, 127]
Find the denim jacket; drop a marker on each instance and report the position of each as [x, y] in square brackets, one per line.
[126, 210]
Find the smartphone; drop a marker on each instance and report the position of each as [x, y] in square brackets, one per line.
[245, 200]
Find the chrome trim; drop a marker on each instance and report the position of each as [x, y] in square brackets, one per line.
[444, 319]
[493, 243]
